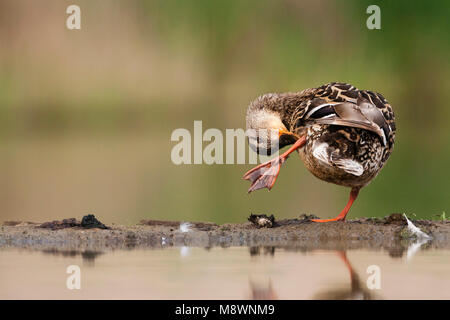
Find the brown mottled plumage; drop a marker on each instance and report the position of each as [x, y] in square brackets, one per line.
[344, 135]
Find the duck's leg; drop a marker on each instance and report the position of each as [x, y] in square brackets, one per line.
[341, 216]
[265, 175]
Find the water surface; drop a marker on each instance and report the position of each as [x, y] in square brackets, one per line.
[225, 273]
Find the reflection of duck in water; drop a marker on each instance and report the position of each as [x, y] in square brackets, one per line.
[88, 256]
[357, 290]
[260, 292]
[267, 250]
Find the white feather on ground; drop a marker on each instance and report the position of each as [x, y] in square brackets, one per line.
[414, 230]
[422, 238]
[185, 226]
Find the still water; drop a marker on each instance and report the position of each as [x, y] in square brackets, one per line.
[226, 273]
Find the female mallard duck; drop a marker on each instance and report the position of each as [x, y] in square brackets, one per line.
[343, 135]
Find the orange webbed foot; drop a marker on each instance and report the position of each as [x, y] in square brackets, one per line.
[264, 175]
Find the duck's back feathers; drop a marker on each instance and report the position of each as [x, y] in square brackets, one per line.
[363, 115]
[343, 104]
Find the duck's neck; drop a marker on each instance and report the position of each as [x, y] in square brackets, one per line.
[273, 110]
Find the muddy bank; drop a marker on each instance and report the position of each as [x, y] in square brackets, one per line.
[300, 233]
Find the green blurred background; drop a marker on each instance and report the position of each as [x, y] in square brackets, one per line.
[86, 116]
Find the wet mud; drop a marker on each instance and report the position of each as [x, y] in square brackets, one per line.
[300, 233]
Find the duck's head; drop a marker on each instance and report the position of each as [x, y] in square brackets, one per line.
[266, 131]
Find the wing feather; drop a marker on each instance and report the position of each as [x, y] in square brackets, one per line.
[362, 115]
